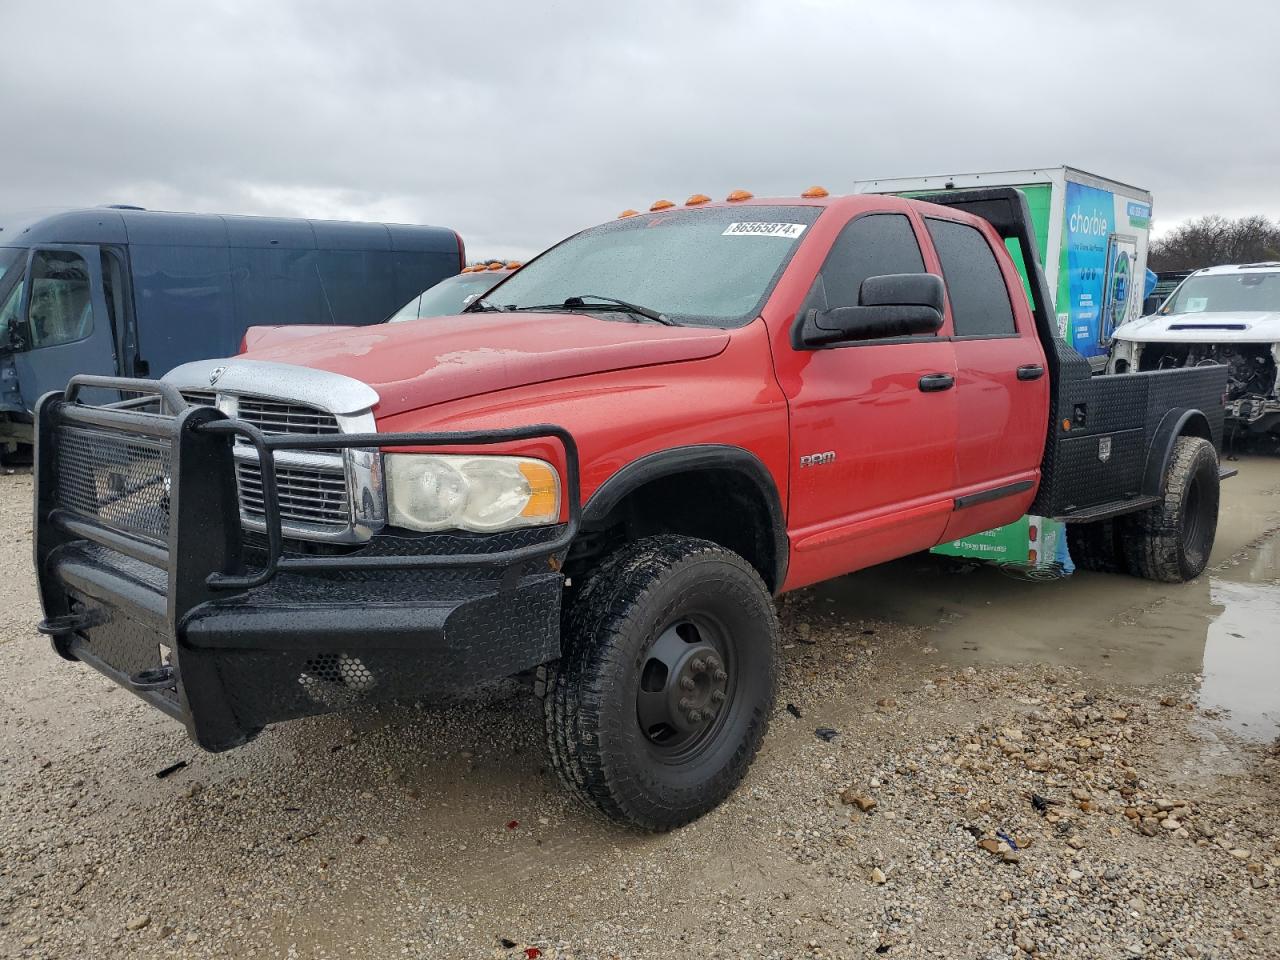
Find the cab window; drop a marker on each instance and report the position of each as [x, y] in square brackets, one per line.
[61, 303]
[869, 246]
[975, 286]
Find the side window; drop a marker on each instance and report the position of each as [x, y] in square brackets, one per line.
[61, 303]
[870, 246]
[979, 298]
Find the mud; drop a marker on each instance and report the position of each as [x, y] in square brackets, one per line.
[416, 832]
[1223, 629]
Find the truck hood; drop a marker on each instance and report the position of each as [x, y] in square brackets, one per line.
[1250, 327]
[256, 338]
[433, 360]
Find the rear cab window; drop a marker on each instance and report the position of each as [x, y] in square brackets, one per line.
[976, 289]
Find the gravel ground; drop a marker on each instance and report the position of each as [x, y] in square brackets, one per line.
[974, 802]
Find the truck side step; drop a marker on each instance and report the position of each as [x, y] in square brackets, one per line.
[1105, 511]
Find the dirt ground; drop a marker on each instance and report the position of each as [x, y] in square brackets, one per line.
[1076, 767]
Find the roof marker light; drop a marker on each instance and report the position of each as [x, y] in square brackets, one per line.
[497, 265]
[514, 264]
[739, 195]
[696, 199]
[662, 205]
[814, 192]
[628, 213]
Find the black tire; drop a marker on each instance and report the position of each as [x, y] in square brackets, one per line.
[1171, 541]
[622, 732]
[1097, 546]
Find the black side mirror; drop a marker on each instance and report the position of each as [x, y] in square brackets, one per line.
[893, 305]
[1151, 304]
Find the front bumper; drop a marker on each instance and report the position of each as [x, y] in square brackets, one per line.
[229, 635]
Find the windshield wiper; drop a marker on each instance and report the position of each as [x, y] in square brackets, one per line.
[576, 303]
[481, 305]
[611, 304]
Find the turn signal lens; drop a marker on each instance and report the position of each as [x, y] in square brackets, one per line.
[813, 192]
[628, 213]
[739, 195]
[696, 199]
[662, 205]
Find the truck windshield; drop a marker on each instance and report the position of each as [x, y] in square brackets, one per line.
[697, 266]
[1227, 293]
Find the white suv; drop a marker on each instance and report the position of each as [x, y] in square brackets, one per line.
[1228, 314]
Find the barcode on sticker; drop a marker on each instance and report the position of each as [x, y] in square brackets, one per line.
[759, 228]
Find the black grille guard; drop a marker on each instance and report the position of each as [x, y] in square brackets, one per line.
[204, 549]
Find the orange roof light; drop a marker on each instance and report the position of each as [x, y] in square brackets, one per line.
[628, 213]
[814, 192]
[739, 195]
[662, 205]
[514, 264]
[497, 265]
[696, 199]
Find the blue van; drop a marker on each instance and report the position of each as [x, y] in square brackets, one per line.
[132, 292]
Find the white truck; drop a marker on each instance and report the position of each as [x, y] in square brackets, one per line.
[1228, 314]
[1092, 235]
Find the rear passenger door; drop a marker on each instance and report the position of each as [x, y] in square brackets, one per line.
[1001, 383]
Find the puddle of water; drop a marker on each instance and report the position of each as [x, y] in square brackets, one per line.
[1224, 627]
[1242, 657]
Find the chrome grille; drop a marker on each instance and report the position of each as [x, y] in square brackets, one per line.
[311, 487]
[280, 416]
[309, 495]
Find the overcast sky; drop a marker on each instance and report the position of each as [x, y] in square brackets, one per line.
[519, 123]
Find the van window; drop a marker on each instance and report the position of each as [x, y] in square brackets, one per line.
[979, 298]
[61, 299]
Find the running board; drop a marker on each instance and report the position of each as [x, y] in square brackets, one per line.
[1105, 511]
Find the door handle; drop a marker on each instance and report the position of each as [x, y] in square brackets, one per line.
[1030, 371]
[933, 382]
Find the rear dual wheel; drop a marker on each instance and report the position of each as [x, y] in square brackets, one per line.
[663, 692]
[1171, 540]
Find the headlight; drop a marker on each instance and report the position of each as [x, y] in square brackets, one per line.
[481, 494]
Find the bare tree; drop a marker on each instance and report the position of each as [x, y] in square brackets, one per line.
[1213, 240]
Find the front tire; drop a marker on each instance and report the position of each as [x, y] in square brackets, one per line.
[1171, 541]
[666, 681]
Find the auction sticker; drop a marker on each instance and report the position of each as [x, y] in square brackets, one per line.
[761, 228]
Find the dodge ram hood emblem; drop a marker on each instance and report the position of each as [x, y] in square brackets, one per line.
[217, 372]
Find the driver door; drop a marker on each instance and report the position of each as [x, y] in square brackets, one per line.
[61, 325]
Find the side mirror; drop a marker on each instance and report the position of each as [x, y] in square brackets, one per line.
[1151, 304]
[893, 305]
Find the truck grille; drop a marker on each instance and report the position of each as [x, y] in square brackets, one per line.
[306, 495]
[314, 494]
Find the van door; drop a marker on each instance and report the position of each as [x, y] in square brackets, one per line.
[63, 324]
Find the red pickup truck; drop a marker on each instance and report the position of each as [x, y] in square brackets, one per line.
[598, 477]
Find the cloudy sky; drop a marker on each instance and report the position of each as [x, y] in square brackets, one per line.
[517, 123]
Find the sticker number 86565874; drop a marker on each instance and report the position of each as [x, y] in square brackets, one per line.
[760, 228]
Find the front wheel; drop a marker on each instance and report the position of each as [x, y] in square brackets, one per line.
[1171, 541]
[667, 677]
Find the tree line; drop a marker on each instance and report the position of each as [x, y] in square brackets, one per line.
[1214, 240]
